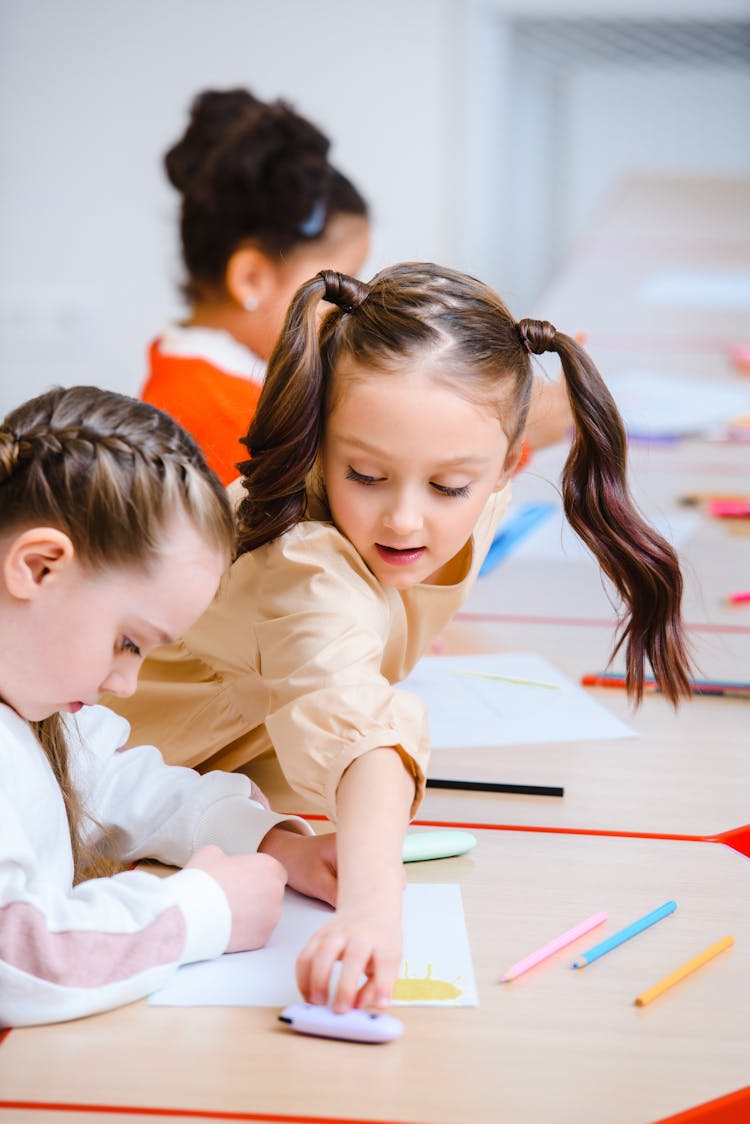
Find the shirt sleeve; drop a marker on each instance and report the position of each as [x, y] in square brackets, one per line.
[320, 639]
[160, 811]
[68, 951]
[72, 951]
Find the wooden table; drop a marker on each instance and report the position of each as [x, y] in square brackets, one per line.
[556, 1044]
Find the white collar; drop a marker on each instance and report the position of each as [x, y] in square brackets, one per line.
[214, 345]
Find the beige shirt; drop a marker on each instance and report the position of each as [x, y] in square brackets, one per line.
[300, 651]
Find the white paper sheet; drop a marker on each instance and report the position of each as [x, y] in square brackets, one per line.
[655, 405]
[472, 709]
[437, 969]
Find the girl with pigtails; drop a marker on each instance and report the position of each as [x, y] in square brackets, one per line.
[380, 462]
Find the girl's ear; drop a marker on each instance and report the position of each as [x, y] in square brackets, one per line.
[35, 558]
[248, 278]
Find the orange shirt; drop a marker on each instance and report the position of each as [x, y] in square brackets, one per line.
[215, 407]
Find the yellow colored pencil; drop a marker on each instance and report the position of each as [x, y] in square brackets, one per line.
[684, 970]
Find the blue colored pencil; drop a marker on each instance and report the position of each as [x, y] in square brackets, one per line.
[624, 934]
[511, 534]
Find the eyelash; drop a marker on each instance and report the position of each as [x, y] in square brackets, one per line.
[358, 478]
[461, 493]
[129, 646]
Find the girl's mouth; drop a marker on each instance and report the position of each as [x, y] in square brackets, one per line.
[399, 557]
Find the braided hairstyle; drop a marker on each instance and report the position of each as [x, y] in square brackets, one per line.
[477, 348]
[109, 471]
[250, 170]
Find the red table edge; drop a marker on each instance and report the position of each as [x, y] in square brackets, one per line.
[196, 1114]
[738, 838]
[729, 1109]
[734, 1108]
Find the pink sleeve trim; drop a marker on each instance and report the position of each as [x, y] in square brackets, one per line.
[86, 958]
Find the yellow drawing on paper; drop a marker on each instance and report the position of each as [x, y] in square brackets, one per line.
[424, 989]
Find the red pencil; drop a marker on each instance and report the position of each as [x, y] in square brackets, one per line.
[699, 686]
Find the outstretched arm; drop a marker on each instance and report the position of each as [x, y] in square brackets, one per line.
[375, 796]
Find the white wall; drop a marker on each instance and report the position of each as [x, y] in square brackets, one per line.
[93, 91]
[422, 98]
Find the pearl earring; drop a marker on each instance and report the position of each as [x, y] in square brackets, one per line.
[251, 304]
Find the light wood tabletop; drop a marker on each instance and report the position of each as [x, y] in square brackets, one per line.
[555, 1044]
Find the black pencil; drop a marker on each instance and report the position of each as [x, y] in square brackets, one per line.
[493, 786]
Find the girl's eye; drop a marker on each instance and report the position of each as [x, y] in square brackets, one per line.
[129, 646]
[446, 491]
[359, 478]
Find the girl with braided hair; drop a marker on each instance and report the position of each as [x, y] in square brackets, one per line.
[381, 454]
[102, 499]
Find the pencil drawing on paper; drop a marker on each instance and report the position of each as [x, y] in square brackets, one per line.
[421, 989]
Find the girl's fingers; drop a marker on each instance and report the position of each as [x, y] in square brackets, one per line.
[315, 965]
[378, 990]
[358, 959]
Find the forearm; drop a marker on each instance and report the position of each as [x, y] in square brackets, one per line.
[105, 943]
[373, 802]
[374, 798]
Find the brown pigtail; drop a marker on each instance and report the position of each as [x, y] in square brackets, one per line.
[284, 435]
[642, 566]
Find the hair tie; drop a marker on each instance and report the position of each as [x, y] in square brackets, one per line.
[346, 293]
[537, 336]
[315, 221]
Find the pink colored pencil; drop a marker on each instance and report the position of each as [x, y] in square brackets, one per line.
[740, 597]
[553, 946]
[730, 509]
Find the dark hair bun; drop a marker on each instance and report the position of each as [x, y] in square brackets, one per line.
[249, 169]
[212, 114]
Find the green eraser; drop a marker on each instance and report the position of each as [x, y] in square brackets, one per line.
[421, 845]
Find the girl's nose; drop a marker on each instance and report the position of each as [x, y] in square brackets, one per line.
[404, 517]
[122, 682]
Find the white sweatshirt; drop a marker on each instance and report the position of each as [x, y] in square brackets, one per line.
[68, 951]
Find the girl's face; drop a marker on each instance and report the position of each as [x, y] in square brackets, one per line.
[408, 465]
[84, 634]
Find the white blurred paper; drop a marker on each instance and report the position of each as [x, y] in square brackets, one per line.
[467, 708]
[437, 968]
[656, 405]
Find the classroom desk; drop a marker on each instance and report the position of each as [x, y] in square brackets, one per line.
[678, 777]
[555, 1045]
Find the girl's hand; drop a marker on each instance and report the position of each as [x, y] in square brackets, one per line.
[367, 940]
[309, 861]
[254, 889]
